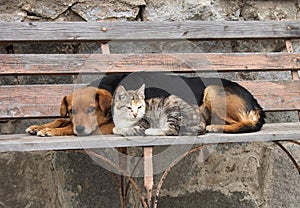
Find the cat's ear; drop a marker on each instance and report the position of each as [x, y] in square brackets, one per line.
[141, 91]
[120, 92]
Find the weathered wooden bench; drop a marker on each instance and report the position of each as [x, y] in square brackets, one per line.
[41, 101]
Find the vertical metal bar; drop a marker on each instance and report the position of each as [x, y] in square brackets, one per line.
[123, 167]
[295, 75]
[122, 152]
[105, 48]
[290, 49]
[148, 173]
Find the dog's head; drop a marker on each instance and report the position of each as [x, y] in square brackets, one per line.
[88, 108]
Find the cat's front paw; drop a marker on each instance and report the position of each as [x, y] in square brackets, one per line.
[154, 132]
[116, 130]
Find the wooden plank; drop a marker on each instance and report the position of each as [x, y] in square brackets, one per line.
[107, 31]
[30, 64]
[290, 49]
[32, 100]
[273, 96]
[23, 142]
[44, 100]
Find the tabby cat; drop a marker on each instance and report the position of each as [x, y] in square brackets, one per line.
[133, 115]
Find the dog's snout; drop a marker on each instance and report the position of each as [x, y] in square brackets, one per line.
[80, 129]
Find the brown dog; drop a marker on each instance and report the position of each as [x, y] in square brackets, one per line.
[89, 110]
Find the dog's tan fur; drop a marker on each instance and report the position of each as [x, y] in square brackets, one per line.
[226, 112]
[89, 111]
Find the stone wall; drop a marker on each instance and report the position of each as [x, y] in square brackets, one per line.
[234, 175]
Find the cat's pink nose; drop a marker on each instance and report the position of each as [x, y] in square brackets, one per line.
[134, 115]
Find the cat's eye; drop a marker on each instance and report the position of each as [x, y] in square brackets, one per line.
[139, 107]
[129, 108]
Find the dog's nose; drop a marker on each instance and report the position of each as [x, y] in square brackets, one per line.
[80, 129]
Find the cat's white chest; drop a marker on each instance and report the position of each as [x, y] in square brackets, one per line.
[121, 121]
[124, 123]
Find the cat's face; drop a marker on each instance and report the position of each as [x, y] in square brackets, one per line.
[130, 104]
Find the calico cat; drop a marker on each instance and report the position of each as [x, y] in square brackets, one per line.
[133, 115]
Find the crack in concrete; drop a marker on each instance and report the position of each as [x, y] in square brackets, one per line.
[56, 180]
[141, 14]
[32, 13]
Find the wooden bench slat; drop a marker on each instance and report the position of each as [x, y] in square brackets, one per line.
[30, 64]
[32, 100]
[23, 142]
[37, 101]
[106, 31]
[275, 95]
[44, 100]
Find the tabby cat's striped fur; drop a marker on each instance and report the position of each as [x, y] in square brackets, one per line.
[133, 115]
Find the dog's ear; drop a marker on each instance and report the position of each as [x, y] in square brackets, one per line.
[104, 99]
[64, 107]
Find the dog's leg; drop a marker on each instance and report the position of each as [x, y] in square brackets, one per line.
[105, 128]
[245, 122]
[61, 131]
[227, 128]
[57, 123]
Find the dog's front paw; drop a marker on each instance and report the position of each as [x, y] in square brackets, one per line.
[33, 129]
[202, 128]
[46, 132]
[213, 129]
